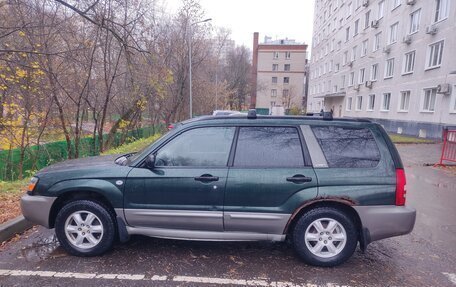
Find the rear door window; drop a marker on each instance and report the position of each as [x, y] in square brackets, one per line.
[268, 147]
[347, 147]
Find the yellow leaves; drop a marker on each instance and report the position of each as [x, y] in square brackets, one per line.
[21, 33]
[3, 87]
[24, 55]
[35, 65]
[21, 73]
[123, 124]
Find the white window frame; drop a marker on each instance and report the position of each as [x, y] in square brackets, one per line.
[275, 67]
[389, 67]
[367, 19]
[428, 109]
[345, 58]
[371, 103]
[276, 80]
[453, 101]
[441, 14]
[359, 103]
[430, 54]
[351, 79]
[342, 79]
[348, 105]
[356, 29]
[381, 9]
[395, 4]
[377, 40]
[415, 19]
[275, 55]
[404, 101]
[354, 52]
[409, 57]
[273, 93]
[374, 72]
[347, 34]
[287, 55]
[285, 67]
[364, 47]
[361, 76]
[383, 108]
[393, 32]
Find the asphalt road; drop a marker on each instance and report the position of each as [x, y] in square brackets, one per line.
[426, 257]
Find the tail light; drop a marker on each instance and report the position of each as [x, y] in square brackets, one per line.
[400, 187]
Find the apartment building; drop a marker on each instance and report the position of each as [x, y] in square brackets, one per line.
[392, 61]
[278, 73]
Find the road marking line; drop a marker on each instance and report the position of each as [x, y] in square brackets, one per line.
[182, 279]
[450, 276]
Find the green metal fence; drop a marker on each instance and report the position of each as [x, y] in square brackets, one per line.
[37, 157]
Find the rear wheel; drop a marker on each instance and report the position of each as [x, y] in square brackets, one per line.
[325, 236]
[85, 228]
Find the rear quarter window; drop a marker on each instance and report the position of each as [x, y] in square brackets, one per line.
[345, 147]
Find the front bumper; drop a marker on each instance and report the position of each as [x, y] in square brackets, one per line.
[37, 208]
[383, 221]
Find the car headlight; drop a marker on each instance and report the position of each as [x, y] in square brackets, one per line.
[31, 185]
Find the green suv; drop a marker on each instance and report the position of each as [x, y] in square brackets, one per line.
[324, 184]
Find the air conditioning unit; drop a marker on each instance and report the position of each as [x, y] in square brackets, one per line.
[432, 30]
[444, 89]
[407, 39]
[386, 50]
[365, 3]
[356, 87]
[374, 24]
[350, 63]
[411, 2]
[368, 84]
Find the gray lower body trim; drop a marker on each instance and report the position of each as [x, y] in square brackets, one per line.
[36, 208]
[272, 223]
[203, 235]
[383, 221]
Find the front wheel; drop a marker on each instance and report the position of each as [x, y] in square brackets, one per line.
[325, 236]
[85, 228]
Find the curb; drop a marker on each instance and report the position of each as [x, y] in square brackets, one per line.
[13, 226]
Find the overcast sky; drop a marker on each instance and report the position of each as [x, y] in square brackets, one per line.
[278, 19]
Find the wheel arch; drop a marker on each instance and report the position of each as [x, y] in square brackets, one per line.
[344, 205]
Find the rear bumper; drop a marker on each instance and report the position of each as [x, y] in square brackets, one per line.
[36, 208]
[385, 221]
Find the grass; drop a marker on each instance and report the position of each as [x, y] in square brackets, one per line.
[11, 191]
[401, 139]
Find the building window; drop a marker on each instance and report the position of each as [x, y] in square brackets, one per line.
[429, 100]
[356, 28]
[337, 68]
[371, 103]
[349, 103]
[287, 55]
[347, 34]
[351, 79]
[367, 19]
[374, 72]
[274, 80]
[377, 40]
[434, 55]
[286, 80]
[342, 80]
[359, 103]
[415, 21]
[409, 63]
[453, 105]
[364, 48]
[404, 102]
[353, 55]
[345, 58]
[386, 101]
[361, 76]
[273, 93]
[275, 67]
[393, 33]
[395, 4]
[285, 92]
[286, 67]
[273, 104]
[330, 67]
[350, 9]
[381, 7]
[441, 10]
[275, 55]
[389, 68]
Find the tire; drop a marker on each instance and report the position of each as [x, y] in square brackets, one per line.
[85, 228]
[325, 236]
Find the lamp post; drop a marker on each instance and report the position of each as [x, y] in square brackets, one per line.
[189, 32]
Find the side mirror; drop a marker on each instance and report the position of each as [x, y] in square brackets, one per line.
[150, 161]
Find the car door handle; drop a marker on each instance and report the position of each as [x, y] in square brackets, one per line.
[299, 178]
[206, 178]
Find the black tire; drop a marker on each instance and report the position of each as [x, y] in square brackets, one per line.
[299, 242]
[105, 220]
